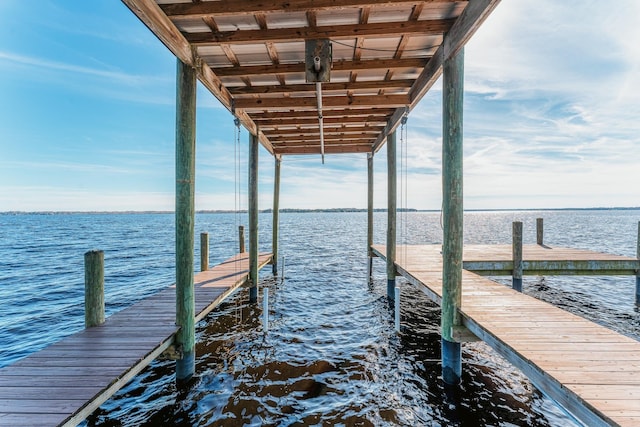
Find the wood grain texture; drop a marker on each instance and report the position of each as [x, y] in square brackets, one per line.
[590, 370]
[254, 49]
[66, 381]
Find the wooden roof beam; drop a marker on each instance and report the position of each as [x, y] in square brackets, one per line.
[327, 102]
[466, 25]
[334, 127]
[362, 113]
[327, 131]
[328, 149]
[328, 121]
[386, 29]
[326, 87]
[153, 17]
[328, 143]
[220, 8]
[270, 69]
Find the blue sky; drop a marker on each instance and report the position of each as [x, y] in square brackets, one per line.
[87, 112]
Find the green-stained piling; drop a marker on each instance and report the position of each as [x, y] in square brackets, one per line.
[185, 218]
[452, 214]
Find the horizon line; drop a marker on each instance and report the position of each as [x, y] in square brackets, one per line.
[308, 210]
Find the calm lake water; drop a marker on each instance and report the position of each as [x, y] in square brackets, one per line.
[331, 356]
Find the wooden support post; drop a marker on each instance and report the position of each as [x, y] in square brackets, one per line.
[370, 214]
[391, 214]
[540, 231]
[517, 256]
[638, 270]
[241, 238]
[93, 288]
[276, 214]
[185, 218]
[204, 251]
[253, 218]
[452, 215]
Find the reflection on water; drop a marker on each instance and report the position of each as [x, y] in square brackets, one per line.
[340, 365]
[331, 356]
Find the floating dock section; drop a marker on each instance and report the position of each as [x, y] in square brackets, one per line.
[65, 382]
[593, 372]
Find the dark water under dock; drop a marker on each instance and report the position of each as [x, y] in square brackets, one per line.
[331, 356]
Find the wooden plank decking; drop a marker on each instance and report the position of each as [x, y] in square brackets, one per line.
[591, 371]
[496, 260]
[65, 382]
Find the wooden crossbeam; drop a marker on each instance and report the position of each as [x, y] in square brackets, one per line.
[329, 149]
[301, 142]
[270, 69]
[326, 87]
[336, 121]
[327, 131]
[466, 25]
[346, 112]
[203, 9]
[328, 102]
[383, 29]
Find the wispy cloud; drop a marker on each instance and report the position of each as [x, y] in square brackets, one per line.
[102, 82]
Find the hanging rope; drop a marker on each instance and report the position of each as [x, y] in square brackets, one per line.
[236, 159]
[237, 200]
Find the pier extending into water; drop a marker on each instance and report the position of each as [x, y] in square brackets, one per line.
[593, 372]
[66, 381]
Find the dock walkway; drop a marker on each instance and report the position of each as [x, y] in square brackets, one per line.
[590, 370]
[66, 381]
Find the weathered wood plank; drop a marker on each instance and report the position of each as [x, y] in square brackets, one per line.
[578, 363]
[66, 381]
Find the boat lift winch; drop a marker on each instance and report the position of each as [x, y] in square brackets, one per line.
[318, 70]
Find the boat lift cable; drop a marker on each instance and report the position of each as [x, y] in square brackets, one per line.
[238, 197]
[404, 183]
[317, 66]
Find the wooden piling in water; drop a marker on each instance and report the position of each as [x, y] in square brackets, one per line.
[391, 214]
[370, 214]
[452, 215]
[93, 288]
[276, 214]
[204, 251]
[185, 218]
[516, 281]
[241, 238]
[253, 218]
[540, 231]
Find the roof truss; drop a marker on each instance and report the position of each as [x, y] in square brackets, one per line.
[250, 54]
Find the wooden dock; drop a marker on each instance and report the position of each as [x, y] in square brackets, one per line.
[591, 371]
[65, 382]
[497, 260]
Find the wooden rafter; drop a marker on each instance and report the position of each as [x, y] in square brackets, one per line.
[299, 114]
[279, 123]
[386, 29]
[327, 131]
[259, 6]
[379, 64]
[248, 53]
[328, 102]
[328, 149]
[326, 87]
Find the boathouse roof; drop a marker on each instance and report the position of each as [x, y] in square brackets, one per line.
[250, 54]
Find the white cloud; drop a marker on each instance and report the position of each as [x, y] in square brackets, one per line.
[101, 82]
[551, 120]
